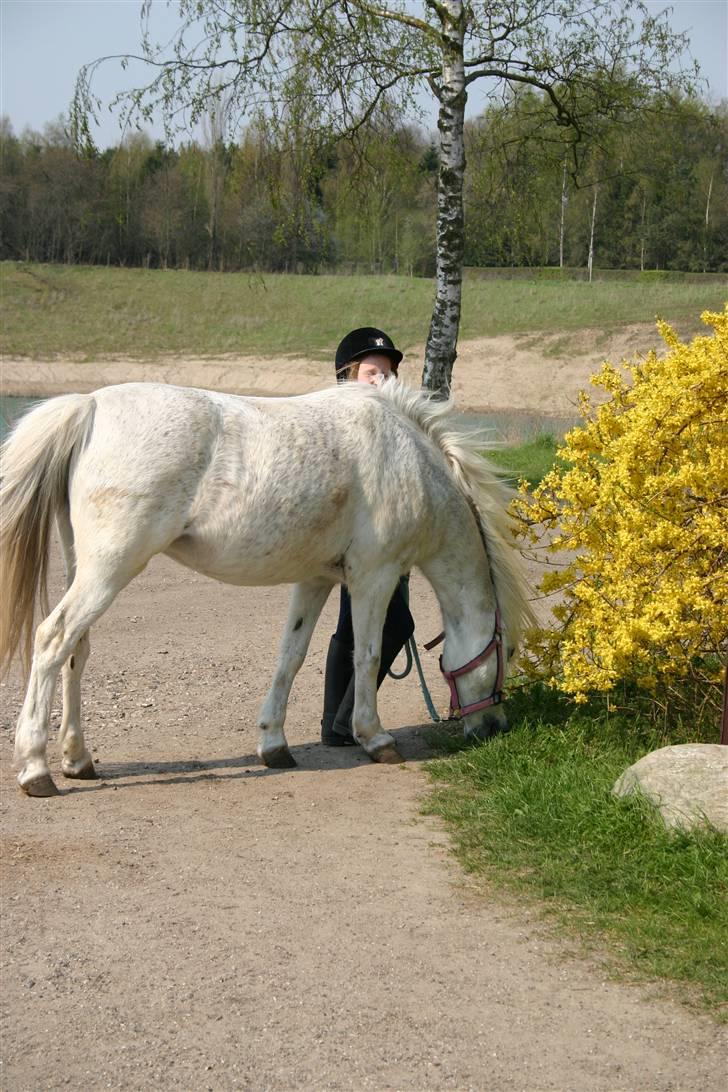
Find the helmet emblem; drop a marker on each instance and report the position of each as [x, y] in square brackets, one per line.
[379, 341]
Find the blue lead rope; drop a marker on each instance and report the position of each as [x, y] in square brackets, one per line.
[412, 651]
[413, 656]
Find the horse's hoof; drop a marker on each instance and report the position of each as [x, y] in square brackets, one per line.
[43, 785]
[86, 773]
[387, 754]
[279, 759]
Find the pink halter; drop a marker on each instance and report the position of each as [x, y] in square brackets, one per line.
[457, 709]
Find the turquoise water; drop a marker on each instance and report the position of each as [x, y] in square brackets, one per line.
[11, 409]
[508, 428]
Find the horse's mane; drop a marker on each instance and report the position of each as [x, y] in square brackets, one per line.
[481, 486]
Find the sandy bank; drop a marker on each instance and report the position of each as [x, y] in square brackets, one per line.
[522, 373]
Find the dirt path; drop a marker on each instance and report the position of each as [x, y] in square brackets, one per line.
[195, 921]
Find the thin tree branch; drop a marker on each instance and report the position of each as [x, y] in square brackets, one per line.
[394, 17]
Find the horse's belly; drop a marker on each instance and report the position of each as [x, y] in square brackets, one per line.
[239, 563]
[277, 531]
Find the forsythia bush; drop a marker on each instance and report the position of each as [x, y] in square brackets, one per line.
[639, 496]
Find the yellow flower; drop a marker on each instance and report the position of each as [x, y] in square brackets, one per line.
[640, 495]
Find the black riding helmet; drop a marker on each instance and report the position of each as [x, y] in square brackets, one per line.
[365, 341]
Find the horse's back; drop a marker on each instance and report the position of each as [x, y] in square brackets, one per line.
[153, 426]
[277, 500]
[246, 490]
[255, 490]
[141, 468]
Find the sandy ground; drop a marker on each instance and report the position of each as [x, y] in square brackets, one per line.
[530, 374]
[194, 921]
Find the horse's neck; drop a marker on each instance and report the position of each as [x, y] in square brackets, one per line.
[461, 579]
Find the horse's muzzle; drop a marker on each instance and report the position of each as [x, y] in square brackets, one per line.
[490, 723]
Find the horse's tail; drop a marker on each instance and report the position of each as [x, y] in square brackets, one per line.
[35, 467]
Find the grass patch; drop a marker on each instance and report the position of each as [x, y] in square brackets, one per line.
[91, 311]
[531, 460]
[534, 811]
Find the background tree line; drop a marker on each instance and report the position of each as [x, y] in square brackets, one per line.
[653, 195]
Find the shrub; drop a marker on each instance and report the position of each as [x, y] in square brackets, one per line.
[639, 495]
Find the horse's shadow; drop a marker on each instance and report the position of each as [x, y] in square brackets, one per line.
[411, 742]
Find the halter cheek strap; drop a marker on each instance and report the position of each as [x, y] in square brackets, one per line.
[457, 709]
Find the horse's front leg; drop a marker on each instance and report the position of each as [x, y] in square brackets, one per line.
[306, 604]
[369, 608]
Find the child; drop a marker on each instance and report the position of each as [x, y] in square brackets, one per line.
[366, 355]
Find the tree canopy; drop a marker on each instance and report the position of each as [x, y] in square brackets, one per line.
[269, 202]
[345, 60]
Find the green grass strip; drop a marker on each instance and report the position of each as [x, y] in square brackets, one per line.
[90, 311]
[531, 460]
[533, 810]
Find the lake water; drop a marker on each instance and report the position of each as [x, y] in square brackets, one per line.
[10, 410]
[508, 428]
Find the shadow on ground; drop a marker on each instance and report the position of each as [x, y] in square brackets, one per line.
[411, 741]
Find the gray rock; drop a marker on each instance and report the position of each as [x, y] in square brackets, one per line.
[687, 783]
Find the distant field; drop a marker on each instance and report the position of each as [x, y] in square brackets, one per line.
[85, 312]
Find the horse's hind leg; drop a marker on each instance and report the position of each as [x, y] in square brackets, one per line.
[57, 638]
[307, 601]
[76, 761]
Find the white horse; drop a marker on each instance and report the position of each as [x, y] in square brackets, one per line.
[353, 485]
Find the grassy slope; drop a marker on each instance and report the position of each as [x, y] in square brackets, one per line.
[88, 311]
[531, 460]
[533, 810]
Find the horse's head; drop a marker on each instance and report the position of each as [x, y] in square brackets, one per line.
[476, 686]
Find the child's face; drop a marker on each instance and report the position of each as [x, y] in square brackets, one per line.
[374, 369]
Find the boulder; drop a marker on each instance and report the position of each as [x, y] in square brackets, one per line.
[687, 783]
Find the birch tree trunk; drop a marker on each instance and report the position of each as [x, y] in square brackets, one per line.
[591, 234]
[707, 224]
[441, 351]
[564, 203]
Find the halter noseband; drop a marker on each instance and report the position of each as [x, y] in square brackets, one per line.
[457, 709]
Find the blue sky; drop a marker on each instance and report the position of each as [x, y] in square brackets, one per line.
[44, 43]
